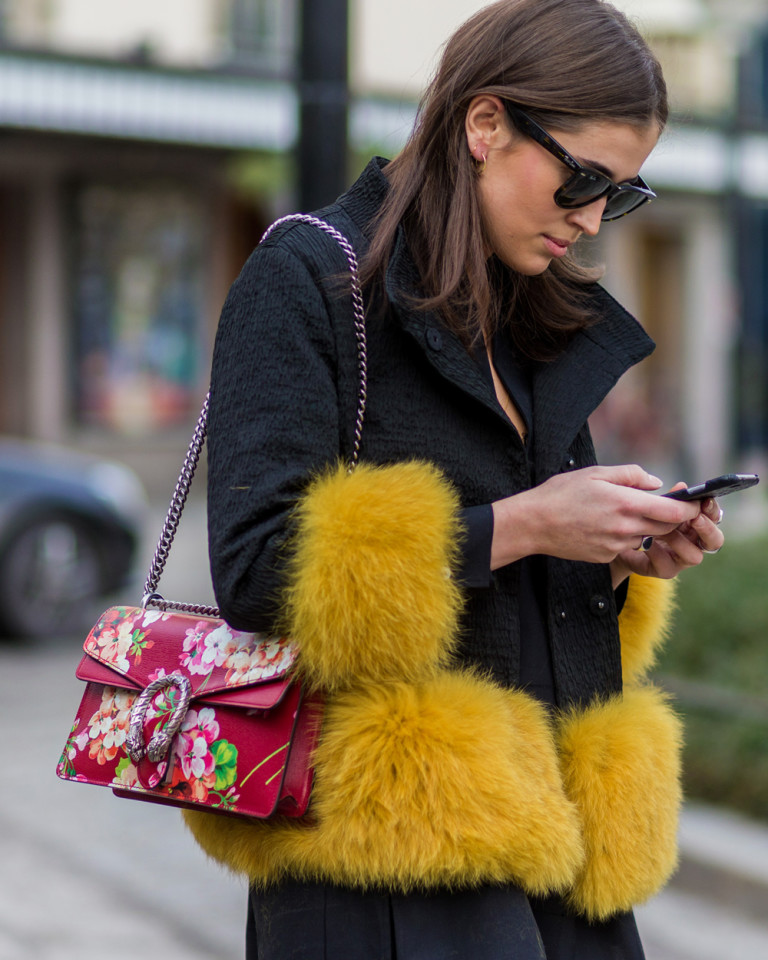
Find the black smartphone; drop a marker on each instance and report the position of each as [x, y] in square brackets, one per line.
[717, 487]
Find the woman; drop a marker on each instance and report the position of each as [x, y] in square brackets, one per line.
[494, 778]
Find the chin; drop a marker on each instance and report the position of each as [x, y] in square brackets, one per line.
[530, 268]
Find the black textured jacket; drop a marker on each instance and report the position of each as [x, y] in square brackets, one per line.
[283, 401]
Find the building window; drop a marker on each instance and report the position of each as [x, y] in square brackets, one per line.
[262, 33]
[138, 303]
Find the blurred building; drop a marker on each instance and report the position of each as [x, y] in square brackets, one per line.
[146, 145]
[693, 265]
[124, 214]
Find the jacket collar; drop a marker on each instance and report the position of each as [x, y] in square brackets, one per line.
[364, 198]
[566, 390]
[443, 350]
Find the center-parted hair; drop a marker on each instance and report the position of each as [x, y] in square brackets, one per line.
[567, 63]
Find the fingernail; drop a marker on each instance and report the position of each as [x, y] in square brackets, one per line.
[655, 480]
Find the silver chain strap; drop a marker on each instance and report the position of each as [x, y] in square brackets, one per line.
[179, 498]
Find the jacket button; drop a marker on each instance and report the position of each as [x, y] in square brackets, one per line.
[599, 606]
[434, 339]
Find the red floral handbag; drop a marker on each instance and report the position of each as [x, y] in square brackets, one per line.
[180, 708]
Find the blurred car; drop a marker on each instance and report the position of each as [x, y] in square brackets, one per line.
[70, 527]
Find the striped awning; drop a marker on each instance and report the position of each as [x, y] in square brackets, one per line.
[54, 93]
[58, 94]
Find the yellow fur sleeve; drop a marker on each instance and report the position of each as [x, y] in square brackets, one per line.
[644, 623]
[621, 767]
[370, 595]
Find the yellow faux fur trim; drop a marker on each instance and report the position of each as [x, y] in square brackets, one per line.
[449, 782]
[370, 597]
[621, 767]
[644, 623]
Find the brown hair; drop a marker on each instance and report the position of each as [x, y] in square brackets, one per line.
[567, 63]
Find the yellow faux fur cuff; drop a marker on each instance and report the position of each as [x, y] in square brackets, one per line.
[449, 782]
[370, 596]
[644, 623]
[621, 767]
[455, 782]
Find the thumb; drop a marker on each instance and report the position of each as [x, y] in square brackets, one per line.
[632, 475]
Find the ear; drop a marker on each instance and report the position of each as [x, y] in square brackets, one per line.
[486, 125]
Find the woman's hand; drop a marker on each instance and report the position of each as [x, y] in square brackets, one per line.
[601, 515]
[672, 552]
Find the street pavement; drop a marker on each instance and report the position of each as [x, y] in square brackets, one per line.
[84, 875]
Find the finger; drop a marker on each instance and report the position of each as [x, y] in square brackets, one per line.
[682, 551]
[700, 530]
[710, 537]
[658, 519]
[660, 561]
[694, 506]
[673, 513]
[665, 563]
[637, 562]
[631, 475]
[680, 485]
[713, 510]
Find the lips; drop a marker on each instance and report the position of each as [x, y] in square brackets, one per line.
[556, 246]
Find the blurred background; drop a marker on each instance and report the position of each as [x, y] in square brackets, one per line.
[144, 148]
[146, 145]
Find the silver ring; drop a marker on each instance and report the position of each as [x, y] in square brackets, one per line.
[711, 552]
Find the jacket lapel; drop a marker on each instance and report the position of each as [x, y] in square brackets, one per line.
[442, 348]
[567, 390]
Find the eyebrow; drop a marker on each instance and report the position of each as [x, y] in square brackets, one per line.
[601, 168]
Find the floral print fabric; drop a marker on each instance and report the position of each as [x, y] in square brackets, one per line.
[124, 638]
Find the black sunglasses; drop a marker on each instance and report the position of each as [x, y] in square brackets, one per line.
[586, 185]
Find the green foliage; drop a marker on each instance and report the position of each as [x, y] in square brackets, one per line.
[255, 175]
[721, 628]
[720, 641]
[726, 761]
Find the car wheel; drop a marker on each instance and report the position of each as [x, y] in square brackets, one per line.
[50, 578]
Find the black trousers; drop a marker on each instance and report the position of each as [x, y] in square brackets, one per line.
[299, 921]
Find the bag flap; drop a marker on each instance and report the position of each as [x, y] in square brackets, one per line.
[261, 696]
[92, 671]
[136, 646]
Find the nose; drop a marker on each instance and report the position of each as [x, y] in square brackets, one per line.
[588, 219]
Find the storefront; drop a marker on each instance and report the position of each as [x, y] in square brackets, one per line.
[120, 231]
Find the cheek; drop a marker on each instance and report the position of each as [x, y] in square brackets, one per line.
[520, 199]
[536, 188]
